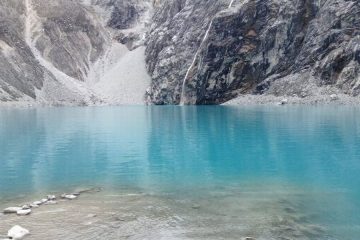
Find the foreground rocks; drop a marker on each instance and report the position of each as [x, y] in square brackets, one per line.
[27, 208]
[17, 232]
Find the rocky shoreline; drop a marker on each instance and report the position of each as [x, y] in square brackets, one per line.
[333, 99]
[242, 100]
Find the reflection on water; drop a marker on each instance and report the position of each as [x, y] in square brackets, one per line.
[190, 153]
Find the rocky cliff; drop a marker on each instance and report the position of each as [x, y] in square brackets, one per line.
[280, 47]
[62, 52]
[196, 52]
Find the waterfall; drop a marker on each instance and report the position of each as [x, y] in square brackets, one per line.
[192, 64]
[182, 97]
[231, 3]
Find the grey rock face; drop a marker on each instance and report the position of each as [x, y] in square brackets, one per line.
[64, 36]
[69, 36]
[124, 14]
[256, 47]
[174, 37]
[15, 56]
[197, 52]
[130, 19]
[49, 49]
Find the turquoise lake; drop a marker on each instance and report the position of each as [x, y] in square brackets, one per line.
[307, 156]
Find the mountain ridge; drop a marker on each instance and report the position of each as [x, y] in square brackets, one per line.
[93, 52]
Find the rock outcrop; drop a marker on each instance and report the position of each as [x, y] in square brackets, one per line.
[263, 46]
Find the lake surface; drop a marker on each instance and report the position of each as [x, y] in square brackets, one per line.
[259, 164]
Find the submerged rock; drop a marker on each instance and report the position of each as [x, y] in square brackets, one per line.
[17, 232]
[10, 210]
[195, 206]
[51, 202]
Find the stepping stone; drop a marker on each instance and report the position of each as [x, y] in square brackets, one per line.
[51, 202]
[37, 203]
[26, 206]
[68, 196]
[10, 210]
[23, 212]
[51, 197]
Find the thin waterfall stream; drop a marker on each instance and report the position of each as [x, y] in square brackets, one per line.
[183, 97]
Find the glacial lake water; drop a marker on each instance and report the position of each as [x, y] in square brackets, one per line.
[298, 163]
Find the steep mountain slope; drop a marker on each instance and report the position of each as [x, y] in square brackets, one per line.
[176, 51]
[281, 47]
[68, 47]
[16, 57]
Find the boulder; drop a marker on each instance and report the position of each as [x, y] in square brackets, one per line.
[11, 210]
[51, 197]
[334, 97]
[17, 232]
[70, 196]
[26, 206]
[284, 101]
[51, 202]
[37, 203]
[23, 212]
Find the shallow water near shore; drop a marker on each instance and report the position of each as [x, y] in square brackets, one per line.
[211, 172]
